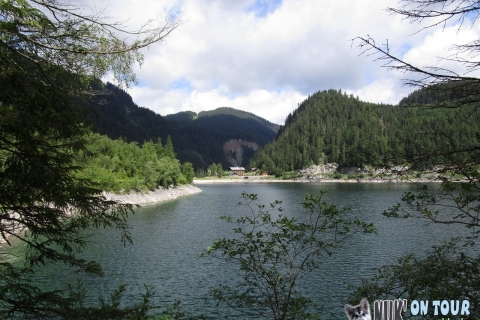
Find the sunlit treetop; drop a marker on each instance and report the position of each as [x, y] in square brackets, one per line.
[52, 33]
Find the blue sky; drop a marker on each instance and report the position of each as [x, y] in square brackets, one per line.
[262, 8]
[266, 56]
[181, 84]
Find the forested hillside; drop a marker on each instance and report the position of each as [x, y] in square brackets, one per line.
[244, 125]
[442, 95]
[331, 126]
[200, 142]
[259, 124]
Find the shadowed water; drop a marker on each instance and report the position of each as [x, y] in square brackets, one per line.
[169, 238]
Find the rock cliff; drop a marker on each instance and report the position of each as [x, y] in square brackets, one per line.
[236, 150]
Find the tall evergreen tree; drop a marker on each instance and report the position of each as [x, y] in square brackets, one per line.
[169, 152]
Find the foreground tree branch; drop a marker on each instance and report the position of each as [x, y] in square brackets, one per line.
[274, 252]
[449, 270]
[50, 54]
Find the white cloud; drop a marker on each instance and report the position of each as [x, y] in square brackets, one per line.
[274, 106]
[227, 54]
[266, 104]
[437, 49]
[388, 91]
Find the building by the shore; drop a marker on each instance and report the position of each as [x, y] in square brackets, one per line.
[239, 171]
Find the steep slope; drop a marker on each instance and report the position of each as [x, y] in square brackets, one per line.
[239, 114]
[184, 116]
[244, 125]
[331, 126]
[199, 140]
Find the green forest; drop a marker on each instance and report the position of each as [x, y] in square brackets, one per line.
[331, 126]
[197, 139]
[328, 127]
[115, 165]
[57, 122]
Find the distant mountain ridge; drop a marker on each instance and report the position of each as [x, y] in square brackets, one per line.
[244, 124]
[182, 116]
[199, 119]
[199, 139]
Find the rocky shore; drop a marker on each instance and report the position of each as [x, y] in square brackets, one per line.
[158, 195]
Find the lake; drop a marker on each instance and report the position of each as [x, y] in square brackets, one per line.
[169, 238]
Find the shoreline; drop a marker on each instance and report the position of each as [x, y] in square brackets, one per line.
[221, 181]
[150, 197]
[228, 180]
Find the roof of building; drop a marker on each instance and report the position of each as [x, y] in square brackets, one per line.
[237, 168]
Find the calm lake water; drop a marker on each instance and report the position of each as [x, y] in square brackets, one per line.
[169, 238]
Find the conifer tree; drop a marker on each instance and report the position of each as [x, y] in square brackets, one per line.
[169, 152]
[50, 54]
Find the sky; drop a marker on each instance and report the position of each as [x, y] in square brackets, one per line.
[267, 56]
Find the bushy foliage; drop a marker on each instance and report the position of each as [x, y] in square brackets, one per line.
[215, 170]
[445, 272]
[274, 251]
[50, 54]
[116, 165]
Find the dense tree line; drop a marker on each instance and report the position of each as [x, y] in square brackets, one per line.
[242, 115]
[198, 141]
[449, 94]
[116, 165]
[331, 126]
[213, 170]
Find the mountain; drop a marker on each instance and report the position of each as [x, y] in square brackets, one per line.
[444, 94]
[183, 116]
[226, 111]
[331, 126]
[225, 135]
[240, 123]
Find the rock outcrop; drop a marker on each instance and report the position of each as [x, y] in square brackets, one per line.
[158, 195]
[316, 172]
[237, 150]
